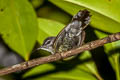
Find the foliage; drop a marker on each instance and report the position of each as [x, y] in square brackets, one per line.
[20, 29]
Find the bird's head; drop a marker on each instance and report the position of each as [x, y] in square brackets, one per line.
[48, 45]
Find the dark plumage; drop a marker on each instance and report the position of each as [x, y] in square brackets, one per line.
[71, 36]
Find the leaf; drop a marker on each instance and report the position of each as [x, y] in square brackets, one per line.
[73, 74]
[18, 26]
[40, 69]
[48, 28]
[37, 3]
[104, 17]
[112, 51]
[89, 65]
[54, 14]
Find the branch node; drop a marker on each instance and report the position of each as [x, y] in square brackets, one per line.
[109, 39]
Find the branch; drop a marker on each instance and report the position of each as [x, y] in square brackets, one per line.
[58, 56]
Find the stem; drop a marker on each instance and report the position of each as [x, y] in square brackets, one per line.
[58, 56]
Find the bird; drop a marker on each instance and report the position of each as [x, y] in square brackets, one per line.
[70, 37]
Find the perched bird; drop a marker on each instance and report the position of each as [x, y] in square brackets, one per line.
[71, 36]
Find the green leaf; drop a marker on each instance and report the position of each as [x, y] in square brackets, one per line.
[112, 51]
[18, 25]
[89, 65]
[72, 74]
[37, 3]
[48, 28]
[104, 17]
[54, 14]
[40, 69]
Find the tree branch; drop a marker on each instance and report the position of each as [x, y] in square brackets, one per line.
[58, 56]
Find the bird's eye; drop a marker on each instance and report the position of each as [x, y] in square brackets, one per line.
[47, 42]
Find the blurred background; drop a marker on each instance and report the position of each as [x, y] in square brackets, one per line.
[50, 17]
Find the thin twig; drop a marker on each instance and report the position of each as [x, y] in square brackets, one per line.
[58, 56]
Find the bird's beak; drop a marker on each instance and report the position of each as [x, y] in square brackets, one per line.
[43, 48]
[46, 49]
